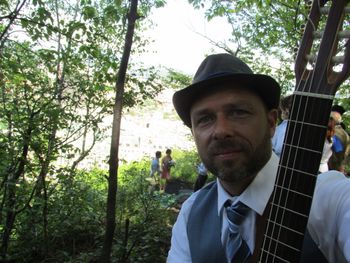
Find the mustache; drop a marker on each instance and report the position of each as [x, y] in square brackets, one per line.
[226, 145]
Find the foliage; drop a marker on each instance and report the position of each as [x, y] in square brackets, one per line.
[58, 62]
[186, 165]
[146, 214]
[76, 220]
[77, 217]
[177, 80]
[265, 33]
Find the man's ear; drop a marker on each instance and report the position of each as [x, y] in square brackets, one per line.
[272, 117]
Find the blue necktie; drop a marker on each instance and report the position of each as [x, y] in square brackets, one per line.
[237, 249]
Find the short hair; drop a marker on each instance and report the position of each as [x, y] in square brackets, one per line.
[168, 151]
[158, 154]
[286, 103]
[285, 106]
[336, 116]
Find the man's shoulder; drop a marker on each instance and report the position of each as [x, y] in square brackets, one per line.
[333, 184]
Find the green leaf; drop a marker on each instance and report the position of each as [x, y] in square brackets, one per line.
[4, 3]
[89, 12]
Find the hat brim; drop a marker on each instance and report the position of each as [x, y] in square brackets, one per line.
[264, 86]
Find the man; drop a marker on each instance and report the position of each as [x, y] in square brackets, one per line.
[202, 176]
[278, 137]
[232, 114]
[155, 166]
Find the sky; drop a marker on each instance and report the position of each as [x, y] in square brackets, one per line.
[178, 41]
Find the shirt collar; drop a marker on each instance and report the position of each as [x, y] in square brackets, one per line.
[258, 193]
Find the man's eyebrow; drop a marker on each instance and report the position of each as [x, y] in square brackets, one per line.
[238, 104]
[201, 111]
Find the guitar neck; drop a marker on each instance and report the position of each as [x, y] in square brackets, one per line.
[296, 177]
[291, 199]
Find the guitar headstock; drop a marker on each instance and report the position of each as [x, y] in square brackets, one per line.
[327, 35]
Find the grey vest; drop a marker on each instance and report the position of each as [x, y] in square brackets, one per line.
[204, 228]
[204, 231]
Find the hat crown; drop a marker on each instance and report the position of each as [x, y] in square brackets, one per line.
[220, 65]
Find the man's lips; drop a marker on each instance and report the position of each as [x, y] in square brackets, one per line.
[226, 149]
[227, 154]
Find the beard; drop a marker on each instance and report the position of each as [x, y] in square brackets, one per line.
[242, 168]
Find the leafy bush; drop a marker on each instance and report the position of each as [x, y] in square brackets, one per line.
[144, 218]
[74, 225]
[186, 165]
[75, 220]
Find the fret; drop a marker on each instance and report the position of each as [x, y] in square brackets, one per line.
[299, 140]
[270, 257]
[283, 209]
[292, 234]
[290, 219]
[296, 181]
[278, 242]
[286, 189]
[317, 125]
[296, 202]
[295, 158]
[292, 170]
[279, 226]
[302, 149]
[276, 251]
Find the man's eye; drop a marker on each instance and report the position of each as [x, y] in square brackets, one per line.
[204, 120]
[239, 113]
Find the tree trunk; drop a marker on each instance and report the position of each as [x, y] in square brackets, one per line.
[113, 160]
[10, 199]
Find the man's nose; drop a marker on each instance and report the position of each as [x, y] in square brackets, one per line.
[223, 128]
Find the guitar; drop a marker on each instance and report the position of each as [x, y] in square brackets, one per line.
[318, 78]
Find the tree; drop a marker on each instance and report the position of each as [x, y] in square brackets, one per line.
[56, 77]
[117, 113]
[264, 33]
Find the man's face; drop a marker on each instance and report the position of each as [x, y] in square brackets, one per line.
[233, 131]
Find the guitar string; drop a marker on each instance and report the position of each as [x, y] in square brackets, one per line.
[274, 256]
[278, 173]
[300, 115]
[293, 135]
[308, 89]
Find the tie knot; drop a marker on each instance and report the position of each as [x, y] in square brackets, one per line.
[236, 212]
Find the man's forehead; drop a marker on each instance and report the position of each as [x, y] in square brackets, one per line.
[227, 96]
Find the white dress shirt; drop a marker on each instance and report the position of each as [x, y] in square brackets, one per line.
[326, 154]
[329, 222]
[278, 137]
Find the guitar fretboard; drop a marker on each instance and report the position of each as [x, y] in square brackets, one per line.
[297, 171]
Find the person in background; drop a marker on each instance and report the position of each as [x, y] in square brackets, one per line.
[278, 138]
[202, 176]
[155, 167]
[328, 146]
[232, 114]
[167, 163]
[341, 148]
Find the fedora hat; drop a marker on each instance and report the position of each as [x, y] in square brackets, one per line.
[221, 70]
[338, 109]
